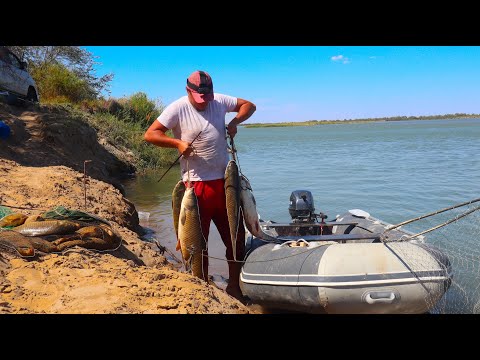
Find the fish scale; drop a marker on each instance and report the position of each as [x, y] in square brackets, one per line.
[249, 210]
[192, 242]
[232, 196]
[16, 219]
[177, 196]
[47, 227]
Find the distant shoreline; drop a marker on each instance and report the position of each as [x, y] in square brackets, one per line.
[359, 121]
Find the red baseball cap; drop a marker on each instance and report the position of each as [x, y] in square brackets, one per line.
[201, 85]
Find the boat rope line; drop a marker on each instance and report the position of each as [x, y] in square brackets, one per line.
[263, 261]
[431, 214]
[458, 217]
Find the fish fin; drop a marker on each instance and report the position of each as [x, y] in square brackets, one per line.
[178, 247]
[188, 264]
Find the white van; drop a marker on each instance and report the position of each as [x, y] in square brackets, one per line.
[15, 81]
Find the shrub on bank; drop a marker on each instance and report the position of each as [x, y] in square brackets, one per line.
[58, 85]
[129, 135]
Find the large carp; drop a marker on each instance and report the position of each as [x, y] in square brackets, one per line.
[47, 227]
[101, 231]
[177, 196]
[249, 210]
[88, 243]
[190, 234]
[232, 195]
[16, 219]
[13, 240]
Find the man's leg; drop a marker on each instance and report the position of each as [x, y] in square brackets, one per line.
[234, 267]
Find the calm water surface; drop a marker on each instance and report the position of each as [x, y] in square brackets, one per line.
[394, 170]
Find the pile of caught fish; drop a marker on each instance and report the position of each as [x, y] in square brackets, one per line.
[27, 234]
[186, 217]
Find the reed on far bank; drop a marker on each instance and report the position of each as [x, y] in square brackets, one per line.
[366, 120]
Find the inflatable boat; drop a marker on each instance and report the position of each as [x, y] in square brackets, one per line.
[355, 264]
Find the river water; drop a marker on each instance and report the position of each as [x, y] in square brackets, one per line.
[393, 170]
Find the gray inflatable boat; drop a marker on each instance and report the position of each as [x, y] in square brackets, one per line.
[346, 266]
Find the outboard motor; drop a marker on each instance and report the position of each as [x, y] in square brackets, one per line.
[301, 207]
[301, 210]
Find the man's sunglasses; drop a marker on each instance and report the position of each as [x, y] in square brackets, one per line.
[202, 89]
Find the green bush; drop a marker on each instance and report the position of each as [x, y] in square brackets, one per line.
[130, 136]
[139, 109]
[57, 84]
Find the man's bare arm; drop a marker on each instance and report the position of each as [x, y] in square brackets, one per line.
[156, 135]
[244, 110]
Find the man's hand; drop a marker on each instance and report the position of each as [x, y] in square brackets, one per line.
[232, 129]
[184, 148]
[244, 110]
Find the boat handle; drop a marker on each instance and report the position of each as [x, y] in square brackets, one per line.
[380, 297]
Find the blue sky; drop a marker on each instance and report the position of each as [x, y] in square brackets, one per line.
[300, 83]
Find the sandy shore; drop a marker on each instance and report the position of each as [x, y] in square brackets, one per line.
[41, 167]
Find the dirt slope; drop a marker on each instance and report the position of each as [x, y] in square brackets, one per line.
[41, 166]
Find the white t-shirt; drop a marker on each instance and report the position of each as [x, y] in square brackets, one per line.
[211, 157]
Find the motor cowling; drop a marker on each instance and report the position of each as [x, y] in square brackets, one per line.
[301, 206]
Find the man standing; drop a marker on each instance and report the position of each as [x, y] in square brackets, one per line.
[204, 111]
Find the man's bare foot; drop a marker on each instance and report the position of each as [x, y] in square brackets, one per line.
[237, 294]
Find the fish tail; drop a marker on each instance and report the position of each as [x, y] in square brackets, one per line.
[204, 276]
[188, 264]
[234, 239]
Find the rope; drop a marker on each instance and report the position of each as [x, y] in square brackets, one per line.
[233, 150]
[262, 261]
[164, 249]
[441, 225]
[23, 208]
[431, 214]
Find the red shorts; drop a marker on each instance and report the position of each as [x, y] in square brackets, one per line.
[212, 207]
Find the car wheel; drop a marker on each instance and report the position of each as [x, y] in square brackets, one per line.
[32, 95]
[12, 99]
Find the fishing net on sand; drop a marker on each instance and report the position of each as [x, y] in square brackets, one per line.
[62, 213]
[4, 211]
[459, 240]
[55, 231]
